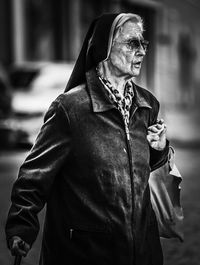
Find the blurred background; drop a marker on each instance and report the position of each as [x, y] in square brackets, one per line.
[39, 43]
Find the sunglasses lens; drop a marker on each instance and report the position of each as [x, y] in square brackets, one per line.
[134, 44]
[145, 44]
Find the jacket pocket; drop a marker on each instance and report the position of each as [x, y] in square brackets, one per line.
[84, 230]
[90, 245]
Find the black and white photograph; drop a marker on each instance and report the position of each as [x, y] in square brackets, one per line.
[99, 132]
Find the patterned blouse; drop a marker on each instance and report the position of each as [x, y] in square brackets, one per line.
[123, 103]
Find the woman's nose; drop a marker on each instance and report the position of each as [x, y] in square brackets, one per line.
[141, 51]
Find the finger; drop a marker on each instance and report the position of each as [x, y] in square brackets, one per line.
[15, 248]
[160, 121]
[17, 251]
[156, 126]
[153, 145]
[26, 247]
[153, 129]
[153, 137]
[163, 131]
[161, 128]
[19, 247]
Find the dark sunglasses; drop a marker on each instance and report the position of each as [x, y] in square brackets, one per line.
[135, 44]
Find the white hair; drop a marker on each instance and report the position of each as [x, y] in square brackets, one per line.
[134, 18]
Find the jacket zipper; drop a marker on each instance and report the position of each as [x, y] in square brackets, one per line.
[132, 186]
[131, 177]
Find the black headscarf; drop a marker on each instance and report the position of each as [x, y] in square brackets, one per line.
[94, 49]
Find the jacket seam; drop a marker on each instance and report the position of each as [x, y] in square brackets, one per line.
[66, 114]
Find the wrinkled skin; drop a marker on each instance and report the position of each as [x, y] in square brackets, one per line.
[123, 59]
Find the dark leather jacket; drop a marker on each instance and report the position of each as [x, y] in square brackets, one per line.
[93, 179]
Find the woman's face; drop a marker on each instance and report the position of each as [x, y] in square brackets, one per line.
[128, 50]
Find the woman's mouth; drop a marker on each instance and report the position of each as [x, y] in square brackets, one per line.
[137, 64]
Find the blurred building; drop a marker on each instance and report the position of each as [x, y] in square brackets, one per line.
[54, 30]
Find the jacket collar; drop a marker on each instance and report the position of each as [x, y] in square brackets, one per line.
[140, 100]
[100, 99]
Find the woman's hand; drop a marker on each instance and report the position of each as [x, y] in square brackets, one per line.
[156, 135]
[18, 246]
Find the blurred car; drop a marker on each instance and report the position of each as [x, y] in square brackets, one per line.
[35, 86]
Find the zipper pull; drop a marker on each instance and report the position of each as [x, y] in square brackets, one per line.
[127, 132]
[70, 233]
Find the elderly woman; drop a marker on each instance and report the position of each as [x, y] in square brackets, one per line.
[91, 162]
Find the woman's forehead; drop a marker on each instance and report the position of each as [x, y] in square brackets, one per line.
[131, 29]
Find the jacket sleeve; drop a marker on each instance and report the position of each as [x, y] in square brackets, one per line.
[37, 174]
[157, 158]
